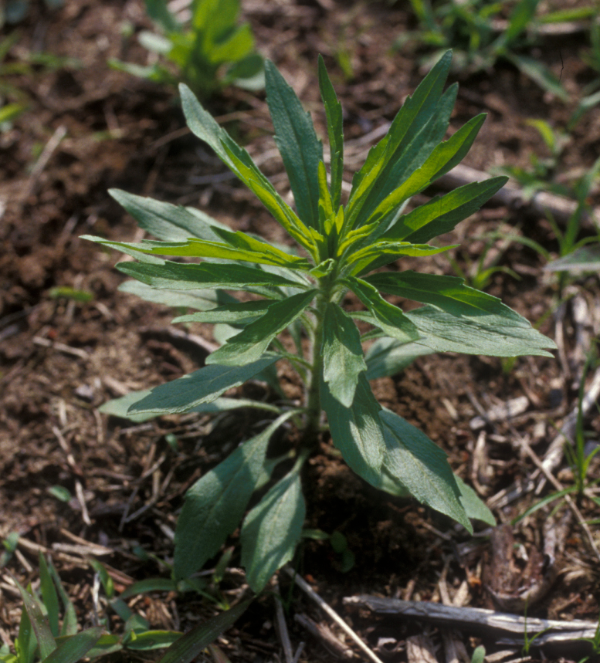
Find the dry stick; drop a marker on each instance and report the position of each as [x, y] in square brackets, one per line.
[323, 634]
[336, 618]
[511, 196]
[282, 628]
[64, 445]
[554, 454]
[42, 162]
[479, 618]
[531, 453]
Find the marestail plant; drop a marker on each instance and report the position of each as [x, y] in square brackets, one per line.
[300, 293]
[208, 51]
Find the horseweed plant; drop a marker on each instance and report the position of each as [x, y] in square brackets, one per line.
[343, 247]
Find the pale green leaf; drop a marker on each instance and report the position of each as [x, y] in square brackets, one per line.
[272, 530]
[388, 317]
[356, 431]
[255, 338]
[200, 300]
[421, 467]
[474, 507]
[215, 504]
[151, 640]
[583, 259]
[234, 314]
[343, 359]
[202, 386]
[388, 356]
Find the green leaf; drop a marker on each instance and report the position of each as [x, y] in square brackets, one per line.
[159, 13]
[390, 252]
[297, 141]
[238, 313]
[253, 340]
[238, 160]
[168, 222]
[185, 276]
[39, 622]
[583, 259]
[477, 333]
[202, 386]
[195, 641]
[69, 625]
[422, 467]
[356, 431]
[388, 317]
[474, 507]
[251, 250]
[478, 655]
[215, 504]
[335, 131]
[387, 356]
[200, 300]
[25, 642]
[538, 73]
[151, 640]
[272, 529]
[73, 648]
[343, 359]
[407, 128]
[49, 596]
[107, 644]
[149, 585]
[441, 214]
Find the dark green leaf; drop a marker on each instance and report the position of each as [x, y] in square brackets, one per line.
[343, 359]
[335, 131]
[193, 642]
[356, 431]
[73, 648]
[215, 504]
[203, 386]
[49, 595]
[421, 467]
[168, 222]
[272, 529]
[253, 340]
[151, 640]
[297, 141]
[39, 622]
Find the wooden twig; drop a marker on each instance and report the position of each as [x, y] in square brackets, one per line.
[332, 613]
[282, 628]
[510, 628]
[323, 634]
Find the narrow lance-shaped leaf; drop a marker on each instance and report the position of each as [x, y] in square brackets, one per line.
[356, 431]
[335, 132]
[39, 621]
[75, 647]
[232, 314]
[253, 340]
[441, 214]
[215, 504]
[388, 317]
[183, 276]
[166, 221]
[248, 249]
[238, 160]
[202, 386]
[385, 252]
[408, 123]
[272, 530]
[297, 141]
[343, 359]
[49, 595]
[199, 300]
[421, 467]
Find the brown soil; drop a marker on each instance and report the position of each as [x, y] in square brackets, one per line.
[61, 359]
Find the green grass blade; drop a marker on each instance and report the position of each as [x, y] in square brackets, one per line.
[75, 647]
[198, 639]
[25, 642]
[272, 529]
[49, 596]
[39, 622]
[297, 141]
[215, 504]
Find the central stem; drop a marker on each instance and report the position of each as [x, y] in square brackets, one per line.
[313, 397]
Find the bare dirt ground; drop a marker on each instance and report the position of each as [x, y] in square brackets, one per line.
[89, 128]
